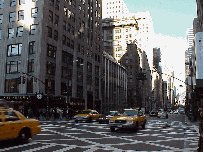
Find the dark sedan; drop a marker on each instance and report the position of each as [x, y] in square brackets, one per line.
[104, 118]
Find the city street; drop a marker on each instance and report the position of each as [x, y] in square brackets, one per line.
[175, 133]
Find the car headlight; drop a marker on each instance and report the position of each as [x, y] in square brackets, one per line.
[111, 121]
[129, 122]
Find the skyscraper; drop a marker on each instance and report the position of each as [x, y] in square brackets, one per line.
[53, 47]
[116, 9]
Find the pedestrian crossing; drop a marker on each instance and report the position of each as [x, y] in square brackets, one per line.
[62, 136]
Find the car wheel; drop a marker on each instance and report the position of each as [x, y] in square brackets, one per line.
[100, 122]
[24, 135]
[143, 126]
[76, 121]
[89, 120]
[136, 126]
[112, 129]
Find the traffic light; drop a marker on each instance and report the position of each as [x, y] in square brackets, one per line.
[24, 80]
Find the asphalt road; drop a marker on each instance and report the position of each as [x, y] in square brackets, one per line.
[172, 134]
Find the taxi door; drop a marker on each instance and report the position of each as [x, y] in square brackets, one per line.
[95, 115]
[5, 130]
[141, 118]
[12, 124]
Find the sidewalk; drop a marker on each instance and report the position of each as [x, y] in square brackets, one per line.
[196, 123]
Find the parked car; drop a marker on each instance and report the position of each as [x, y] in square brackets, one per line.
[129, 119]
[162, 114]
[14, 125]
[176, 112]
[181, 111]
[104, 118]
[87, 116]
[153, 113]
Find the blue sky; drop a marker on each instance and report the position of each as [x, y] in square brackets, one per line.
[170, 17]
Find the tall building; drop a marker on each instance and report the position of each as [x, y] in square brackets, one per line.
[117, 33]
[114, 84]
[115, 9]
[145, 34]
[52, 47]
[131, 61]
[200, 14]
[190, 38]
[157, 78]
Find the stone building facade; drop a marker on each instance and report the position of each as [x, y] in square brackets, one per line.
[52, 47]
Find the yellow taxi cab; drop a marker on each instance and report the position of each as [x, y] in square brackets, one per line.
[129, 119]
[13, 125]
[153, 113]
[87, 115]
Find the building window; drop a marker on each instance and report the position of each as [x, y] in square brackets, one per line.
[31, 65]
[11, 86]
[33, 29]
[79, 91]
[34, 12]
[79, 46]
[2, 4]
[96, 70]
[56, 20]
[13, 67]
[1, 18]
[57, 4]
[14, 49]
[55, 35]
[63, 39]
[80, 63]
[19, 31]
[21, 2]
[79, 76]
[10, 32]
[68, 28]
[68, 42]
[73, 29]
[12, 17]
[21, 15]
[52, 2]
[64, 25]
[13, 3]
[30, 85]
[0, 33]
[50, 17]
[32, 47]
[50, 68]
[82, 49]
[49, 32]
[72, 44]
[51, 51]
[89, 67]
[67, 58]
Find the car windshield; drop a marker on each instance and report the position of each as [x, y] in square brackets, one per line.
[129, 113]
[162, 112]
[111, 113]
[85, 112]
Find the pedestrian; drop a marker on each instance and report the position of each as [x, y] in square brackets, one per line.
[30, 113]
[60, 112]
[200, 140]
